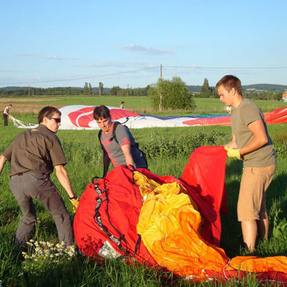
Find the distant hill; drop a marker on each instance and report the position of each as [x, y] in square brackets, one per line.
[13, 89]
[266, 87]
[192, 88]
[7, 89]
[255, 87]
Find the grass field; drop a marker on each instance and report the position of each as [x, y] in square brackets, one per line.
[139, 104]
[168, 150]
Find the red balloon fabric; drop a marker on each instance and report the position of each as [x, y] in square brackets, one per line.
[105, 224]
[204, 178]
[106, 219]
[115, 201]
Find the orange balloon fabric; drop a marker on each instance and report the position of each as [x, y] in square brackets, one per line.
[169, 225]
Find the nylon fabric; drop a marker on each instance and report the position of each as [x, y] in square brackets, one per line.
[169, 226]
[119, 210]
[204, 178]
[256, 264]
[178, 220]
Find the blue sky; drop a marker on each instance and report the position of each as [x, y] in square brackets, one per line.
[123, 43]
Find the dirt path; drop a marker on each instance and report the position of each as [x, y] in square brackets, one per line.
[25, 105]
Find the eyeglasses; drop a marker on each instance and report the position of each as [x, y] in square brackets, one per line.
[57, 120]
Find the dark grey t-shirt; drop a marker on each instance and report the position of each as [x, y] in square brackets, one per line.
[37, 150]
[114, 150]
[246, 113]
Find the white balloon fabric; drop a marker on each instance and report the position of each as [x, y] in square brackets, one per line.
[78, 117]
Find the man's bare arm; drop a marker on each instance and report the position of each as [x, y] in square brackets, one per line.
[64, 180]
[258, 140]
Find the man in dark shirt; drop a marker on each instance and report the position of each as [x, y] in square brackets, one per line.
[33, 155]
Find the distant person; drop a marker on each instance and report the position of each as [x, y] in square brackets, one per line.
[6, 112]
[252, 144]
[33, 155]
[118, 144]
[122, 105]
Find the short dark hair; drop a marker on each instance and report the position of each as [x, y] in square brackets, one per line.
[101, 112]
[47, 112]
[230, 82]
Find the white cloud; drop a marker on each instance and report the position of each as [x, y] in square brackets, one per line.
[46, 57]
[146, 50]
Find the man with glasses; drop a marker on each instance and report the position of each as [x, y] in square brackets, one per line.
[33, 155]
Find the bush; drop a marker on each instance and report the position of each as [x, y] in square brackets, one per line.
[183, 145]
[281, 149]
[171, 95]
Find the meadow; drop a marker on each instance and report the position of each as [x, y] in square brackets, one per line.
[167, 150]
[140, 104]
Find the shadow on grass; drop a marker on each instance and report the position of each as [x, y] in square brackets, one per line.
[277, 191]
[231, 238]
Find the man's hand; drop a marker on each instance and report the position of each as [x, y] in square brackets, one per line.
[75, 203]
[233, 152]
[131, 167]
[2, 162]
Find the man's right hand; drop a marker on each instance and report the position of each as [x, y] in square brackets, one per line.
[131, 167]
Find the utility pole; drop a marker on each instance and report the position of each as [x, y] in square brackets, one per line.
[160, 94]
[101, 88]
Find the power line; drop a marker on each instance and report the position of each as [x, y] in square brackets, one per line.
[100, 77]
[230, 67]
[104, 76]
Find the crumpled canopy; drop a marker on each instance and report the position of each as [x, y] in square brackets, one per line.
[169, 224]
[170, 227]
[165, 221]
[79, 117]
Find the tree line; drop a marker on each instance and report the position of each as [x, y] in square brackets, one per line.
[165, 94]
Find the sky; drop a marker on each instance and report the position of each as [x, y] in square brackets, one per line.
[56, 43]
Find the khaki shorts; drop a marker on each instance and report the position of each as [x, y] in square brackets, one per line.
[251, 203]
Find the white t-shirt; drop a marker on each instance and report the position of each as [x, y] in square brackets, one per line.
[6, 110]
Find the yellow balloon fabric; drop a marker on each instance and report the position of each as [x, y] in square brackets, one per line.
[169, 225]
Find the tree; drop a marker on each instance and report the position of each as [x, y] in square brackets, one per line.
[101, 88]
[88, 89]
[115, 90]
[205, 91]
[172, 94]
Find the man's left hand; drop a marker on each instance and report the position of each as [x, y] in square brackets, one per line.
[75, 203]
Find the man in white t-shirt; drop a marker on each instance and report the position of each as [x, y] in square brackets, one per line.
[6, 114]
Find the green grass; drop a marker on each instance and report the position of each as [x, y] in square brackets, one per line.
[140, 104]
[167, 150]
